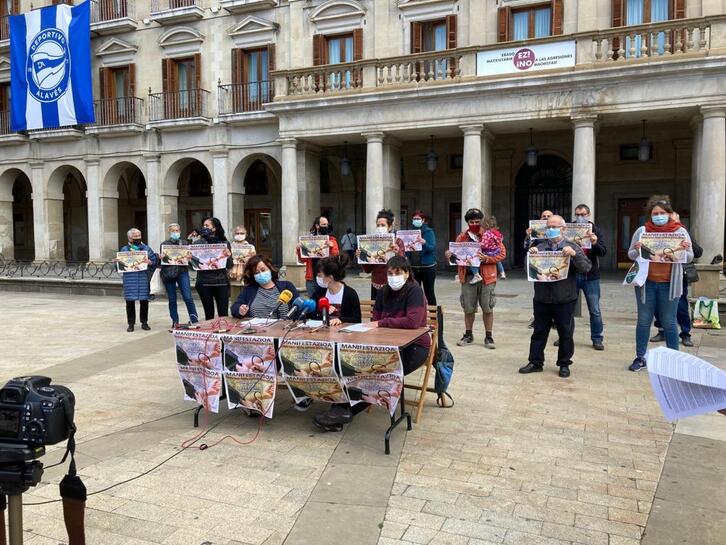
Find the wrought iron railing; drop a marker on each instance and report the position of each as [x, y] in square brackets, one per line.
[244, 97]
[105, 270]
[119, 111]
[4, 27]
[110, 10]
[178, 104]
[163, 5]
[5, 122]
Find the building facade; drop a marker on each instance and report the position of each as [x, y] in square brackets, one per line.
[269, 112]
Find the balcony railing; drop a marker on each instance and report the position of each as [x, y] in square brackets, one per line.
[163, 5]
[119, 111]
[244, 97]
[178, 104]
[5, 123]
[4, 27]
[111, 10]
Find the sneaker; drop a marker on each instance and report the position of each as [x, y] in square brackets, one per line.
[658, 338]
[489, 342]
[303, 405]
[475, 279]
[503, 275]
[598, 346]
[638, 364]
[686, 340]
[466, 339]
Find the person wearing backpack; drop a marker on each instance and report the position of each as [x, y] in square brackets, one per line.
[348, 244]
[177, 275]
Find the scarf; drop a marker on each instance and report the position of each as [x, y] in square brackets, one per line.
[670, 227]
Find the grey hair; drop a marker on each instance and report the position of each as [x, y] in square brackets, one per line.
[128, 233]
[172, 225]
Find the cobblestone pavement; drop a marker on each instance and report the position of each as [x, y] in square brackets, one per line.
[519, 460]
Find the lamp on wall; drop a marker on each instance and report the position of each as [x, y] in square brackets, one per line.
[432, 159]
[644, 148]
[345, 162]
[532, 152]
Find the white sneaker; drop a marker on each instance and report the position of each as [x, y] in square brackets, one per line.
[503, 275]
[475, 279]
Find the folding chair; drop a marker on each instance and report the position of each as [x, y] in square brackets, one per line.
[433, 313]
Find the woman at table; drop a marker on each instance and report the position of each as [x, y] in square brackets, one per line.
[399, 305]
[344, 302]
[261, 291]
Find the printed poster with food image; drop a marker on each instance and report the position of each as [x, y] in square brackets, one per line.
[579, 233]
[208, 257]
[132, 261]
[547, 266]
[314, 246]
[253, 391]
[199, 363]
[371, 373]
[201, 385]
[663, 247]
[465, 254]
[308, 369]
[250, 372]
[376, 249]
[538, 229]
[412, 240]
[175, 254]
[241, 252]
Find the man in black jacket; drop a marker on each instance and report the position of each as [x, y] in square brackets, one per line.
[589, 282]
[556, 301]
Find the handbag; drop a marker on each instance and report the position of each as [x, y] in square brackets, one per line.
[444, 367]
[690, 273]
[169, 273]
[638, 273]
[156, 286]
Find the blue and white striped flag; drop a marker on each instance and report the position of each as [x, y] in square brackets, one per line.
[50, 63]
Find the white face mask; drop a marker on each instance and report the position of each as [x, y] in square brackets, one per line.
[382, 230]
[396, 282]
[322, 282]
[240, 238]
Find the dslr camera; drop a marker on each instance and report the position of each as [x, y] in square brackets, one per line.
[33, 413]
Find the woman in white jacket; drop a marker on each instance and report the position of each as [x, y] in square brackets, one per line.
[664, 284]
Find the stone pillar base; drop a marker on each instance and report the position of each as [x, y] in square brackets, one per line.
[294, 274]
[708, 283]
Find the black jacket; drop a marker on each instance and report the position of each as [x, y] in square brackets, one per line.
[598, 250]
[563, 291]
[349, 311]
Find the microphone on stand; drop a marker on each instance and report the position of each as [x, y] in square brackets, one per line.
[284, 298]
[295, 308]
[308, 308]
[324, 309]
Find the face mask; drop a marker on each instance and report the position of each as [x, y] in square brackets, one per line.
[322, 282]
[324, 230]
[240, 238]
[417, 223]
[382, 230]
[660, 219]
[206, 233]
[581, 219]
[174, 236]
[474, 228]
[193, 238]
[136, 242]
[396, 282]
[263, 278]
[553, 232]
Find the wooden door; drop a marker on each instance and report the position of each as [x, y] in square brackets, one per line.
[455, 225]
[258, 222]
[631, 215]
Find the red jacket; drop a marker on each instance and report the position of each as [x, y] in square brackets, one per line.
[488, 267]
[309, 271]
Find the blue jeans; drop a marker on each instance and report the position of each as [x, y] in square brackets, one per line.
[591, 291]
[500, 267]
[186, 291]
[656, 299]
[683, 315]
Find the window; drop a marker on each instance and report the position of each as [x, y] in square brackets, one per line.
[117, 88]
[7, 7]
[639, 12]
[436, 35]
[4, 97]
[182, 85]
[251, 77]
[534, 22]
[631, 152]
[338, 49]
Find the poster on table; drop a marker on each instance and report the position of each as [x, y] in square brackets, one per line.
[547, 266]
[309, 371]
[465, 254]
[208, 257]
[241, 252]
[252, 391]
[175, 254]
[539, 227]
[250, 372]
[371, 373]
[314, 246]
[132, 261]
[579, 233]
[199, 363]
[412, 239]
[663, 247]
[376, 249]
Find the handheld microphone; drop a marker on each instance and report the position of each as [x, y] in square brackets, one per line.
[324, 308]
[308, 308]
[297, 306]
[284, 298]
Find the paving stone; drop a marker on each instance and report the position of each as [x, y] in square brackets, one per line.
[416, 534]
[475, 530]
[608, 526]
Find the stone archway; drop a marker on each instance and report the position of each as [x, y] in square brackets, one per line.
[16, 216]
[131, 206]
[67, 215]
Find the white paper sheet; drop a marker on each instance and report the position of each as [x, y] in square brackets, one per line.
[355, 328]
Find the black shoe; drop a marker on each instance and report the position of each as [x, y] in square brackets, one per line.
[145, 327]
[304, 405]
[466, 339]
[489, 342]
[598, 346]
[326, 427]
[130, 328]
[336, 416]
[530, 368]
[637, 365]
[564, 371]
[686, 340]
[556, 343]
[658, 338]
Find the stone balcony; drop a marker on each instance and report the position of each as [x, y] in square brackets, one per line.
[111, 16]
[171, 12]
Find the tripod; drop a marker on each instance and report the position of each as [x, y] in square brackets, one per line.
[19, 470]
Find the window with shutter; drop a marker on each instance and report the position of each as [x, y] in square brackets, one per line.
[532, 22]
[558, 16]
[416, 37]
[358, 44]
[504, 24]
[451, 32]
[4, 97]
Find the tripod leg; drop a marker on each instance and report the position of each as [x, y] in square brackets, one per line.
[15, 519]
[3, 507]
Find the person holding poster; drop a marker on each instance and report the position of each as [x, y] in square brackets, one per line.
[663, 285]
[384, 225]
[241, 252]
[173, 275]
[481, 294]
[213, 284]
[423, 262]
[555, 300]
[321, 227]
[344, 302]
[261, 293]
[529, 239]
[136, 283]
[400, 304]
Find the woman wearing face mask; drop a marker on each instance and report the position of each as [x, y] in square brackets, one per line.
[173, 275]
[236, 273]
[193, 236]
[213, 285]
[423, 263]
[400, 305]
[664, 283]
[321, 226]
[136, 283]
[344, 302]
[262, 288]
[384, 225]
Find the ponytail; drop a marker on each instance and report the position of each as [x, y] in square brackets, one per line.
[334, 266]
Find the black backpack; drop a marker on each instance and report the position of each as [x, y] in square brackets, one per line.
[444, 366]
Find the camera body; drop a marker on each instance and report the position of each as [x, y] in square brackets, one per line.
[34, 413]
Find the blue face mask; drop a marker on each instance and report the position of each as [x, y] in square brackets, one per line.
[660, 219]
[263, 278]
[417, 223]
[175, 236]
[553, 232]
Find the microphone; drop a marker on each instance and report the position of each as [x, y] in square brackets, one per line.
[297, 306]
[324, 308]
[308, 308]
[284, 298]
